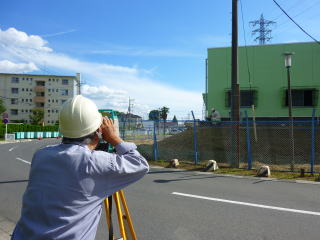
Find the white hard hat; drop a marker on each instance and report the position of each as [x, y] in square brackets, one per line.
[79, 117]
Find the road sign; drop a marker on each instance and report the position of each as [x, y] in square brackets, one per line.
[5, 121]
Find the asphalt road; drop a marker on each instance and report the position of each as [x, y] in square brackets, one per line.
[204, 206]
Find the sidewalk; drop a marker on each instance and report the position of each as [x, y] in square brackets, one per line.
[6, 228]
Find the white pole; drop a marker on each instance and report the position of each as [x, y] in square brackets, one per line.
[5, 136]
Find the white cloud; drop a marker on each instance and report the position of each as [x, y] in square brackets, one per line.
[139, 51]
[21, 39]
[108, 85]
[58, 33]
[11, 67]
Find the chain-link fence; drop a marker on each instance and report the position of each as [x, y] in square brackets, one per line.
[282, 145]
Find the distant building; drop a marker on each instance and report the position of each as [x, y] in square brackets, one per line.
[129, 120]
[263, 80]
[21, 93]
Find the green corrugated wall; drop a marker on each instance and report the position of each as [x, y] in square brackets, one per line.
[268, 76]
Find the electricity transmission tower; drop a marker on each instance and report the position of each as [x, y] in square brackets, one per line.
[263, 30]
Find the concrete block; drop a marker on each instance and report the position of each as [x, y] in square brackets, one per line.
[174, 163]
[264, 171]
[211, 166]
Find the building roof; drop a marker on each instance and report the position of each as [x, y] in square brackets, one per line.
[36, 75]
[264, 45]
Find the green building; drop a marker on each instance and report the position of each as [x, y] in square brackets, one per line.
[263, 80]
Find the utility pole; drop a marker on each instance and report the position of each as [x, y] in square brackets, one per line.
[78, 82]
[235, 89]
[130, 110]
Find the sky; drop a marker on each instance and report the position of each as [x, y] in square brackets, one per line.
[150, 51]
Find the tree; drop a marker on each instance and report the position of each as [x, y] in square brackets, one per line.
[154, 115]
[2, 107]
[174, 119]
[37, 116]
[164, 114]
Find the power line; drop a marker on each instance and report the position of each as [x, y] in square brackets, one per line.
[245, 44]
[295, 22]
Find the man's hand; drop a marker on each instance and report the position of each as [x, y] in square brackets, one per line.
[109, 133]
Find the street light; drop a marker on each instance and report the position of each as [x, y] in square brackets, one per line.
[287, 63]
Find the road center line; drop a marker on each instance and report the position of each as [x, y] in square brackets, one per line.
[12, 148]
[248, 204]
[22, 160]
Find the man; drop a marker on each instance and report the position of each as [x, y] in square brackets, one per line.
[69, 181]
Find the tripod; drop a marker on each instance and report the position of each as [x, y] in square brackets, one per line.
[125, 223]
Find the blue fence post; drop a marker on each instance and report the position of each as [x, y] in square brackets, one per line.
[195, 139]
[313, 145]
[248, 142]
[155, 143]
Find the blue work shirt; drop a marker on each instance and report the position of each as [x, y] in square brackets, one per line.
[67, 186]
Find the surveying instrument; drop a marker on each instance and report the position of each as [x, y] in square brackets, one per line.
[127, 231]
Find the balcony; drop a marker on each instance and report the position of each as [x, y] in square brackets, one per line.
[39, 99]
[39, 88]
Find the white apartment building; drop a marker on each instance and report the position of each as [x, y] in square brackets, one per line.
[21, 93]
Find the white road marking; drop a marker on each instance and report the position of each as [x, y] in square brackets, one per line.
[12, 148]
[248, 204]
[22, 160]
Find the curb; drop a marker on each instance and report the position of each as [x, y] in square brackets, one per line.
[239, 176]
[6, 228]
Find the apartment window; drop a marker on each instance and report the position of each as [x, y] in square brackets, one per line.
[39, 104]
[14, 80]
[65, 81]
[14, 100]
[64, 92]
[49, 79]
[30, 100]
[14, 111]
[14, 90]
[22, 78]
[40, 94]
[63, 101]
[23, 110]
[56, 100]
[302, 97]
[40, 83]
[48, 100]
[27, 100]
[48, 110]
[22, 100]
[247, 98]
[22, 89]
[27, 89]
[56, 111]
[57, 90]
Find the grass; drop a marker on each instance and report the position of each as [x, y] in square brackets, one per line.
[241, 172]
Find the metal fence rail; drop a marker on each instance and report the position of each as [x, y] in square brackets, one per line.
[258, 143]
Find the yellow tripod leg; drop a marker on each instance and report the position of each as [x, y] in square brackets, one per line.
[128, 217]
[120, 219]
[106, 207]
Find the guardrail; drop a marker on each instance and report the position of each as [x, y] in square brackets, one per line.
[36, 135]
